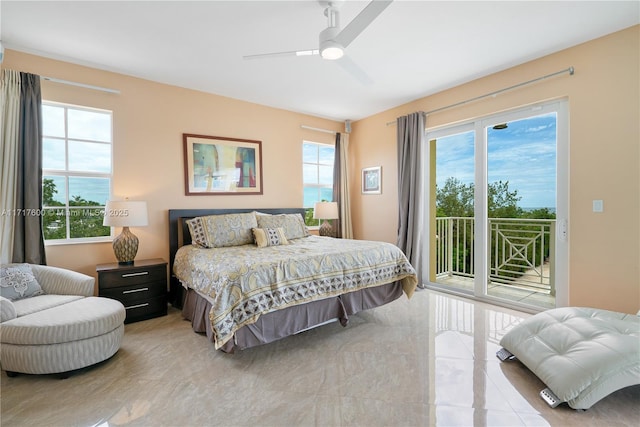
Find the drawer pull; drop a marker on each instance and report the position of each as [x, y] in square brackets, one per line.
[142, 273]
[135, 290]
[137, 306]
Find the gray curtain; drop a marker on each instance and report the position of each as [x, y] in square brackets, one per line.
[28, 239]
[342, 227]
[411, 130]
[337, 188]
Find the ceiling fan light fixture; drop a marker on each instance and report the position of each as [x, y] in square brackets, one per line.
[331, 50]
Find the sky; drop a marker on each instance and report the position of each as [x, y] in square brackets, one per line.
[524, 154]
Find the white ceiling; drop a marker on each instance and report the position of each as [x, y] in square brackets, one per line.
[413, 49]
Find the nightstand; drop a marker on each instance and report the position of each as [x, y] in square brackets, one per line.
[141, 287]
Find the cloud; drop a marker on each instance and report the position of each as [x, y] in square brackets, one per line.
[524, 154]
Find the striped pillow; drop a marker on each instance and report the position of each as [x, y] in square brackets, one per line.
[269, 237]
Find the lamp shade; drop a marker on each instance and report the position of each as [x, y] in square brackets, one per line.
[325, 210]
[125, 213]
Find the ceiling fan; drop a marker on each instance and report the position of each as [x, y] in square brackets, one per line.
[333, 41]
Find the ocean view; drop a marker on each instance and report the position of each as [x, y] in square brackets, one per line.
[88, 188]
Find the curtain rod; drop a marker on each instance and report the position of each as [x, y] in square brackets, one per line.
[86, 86]
[569, 70]
[333, 132]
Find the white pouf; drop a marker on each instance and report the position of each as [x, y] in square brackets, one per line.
[70, 336]
[581, 354]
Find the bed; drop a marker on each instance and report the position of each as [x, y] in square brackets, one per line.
[243, 295]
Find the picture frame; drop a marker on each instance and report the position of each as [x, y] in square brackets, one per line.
[372, 180]
[216, 165]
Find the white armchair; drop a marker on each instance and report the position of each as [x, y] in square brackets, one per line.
[7, 310]
[59, 285]
[59, 281]
[63, 329]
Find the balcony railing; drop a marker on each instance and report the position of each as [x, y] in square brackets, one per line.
[520, 252]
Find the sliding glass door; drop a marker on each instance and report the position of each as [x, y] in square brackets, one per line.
[452, 208]
[498, 207]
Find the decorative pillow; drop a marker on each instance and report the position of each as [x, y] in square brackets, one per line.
[217, 231]
[17, 281]
[292, 224]
[198, 232]
[269, 237]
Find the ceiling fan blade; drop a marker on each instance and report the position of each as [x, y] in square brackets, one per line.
[362, 21]
[354, 70]
[308, 52]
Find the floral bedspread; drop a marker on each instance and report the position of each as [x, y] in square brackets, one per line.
[247, 281]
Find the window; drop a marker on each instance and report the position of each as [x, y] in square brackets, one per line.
[76, 172]
[317, 172]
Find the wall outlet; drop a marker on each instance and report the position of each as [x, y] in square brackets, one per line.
[598, 206]
[563, 230]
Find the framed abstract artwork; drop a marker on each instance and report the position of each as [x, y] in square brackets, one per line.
[215, 165]
[372, 180]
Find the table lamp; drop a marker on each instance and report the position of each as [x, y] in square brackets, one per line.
[125, 214]
[326, 211]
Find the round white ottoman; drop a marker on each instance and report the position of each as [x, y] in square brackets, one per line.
[63, 338]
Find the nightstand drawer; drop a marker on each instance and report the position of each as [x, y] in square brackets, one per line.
[142, 291]
[141, 287]
[146, 309]
[132, 276]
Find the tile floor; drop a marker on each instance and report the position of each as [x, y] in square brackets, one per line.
[509, 293]
[422, 362]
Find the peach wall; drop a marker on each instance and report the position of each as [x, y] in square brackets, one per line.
[149, 120]
[604, 108]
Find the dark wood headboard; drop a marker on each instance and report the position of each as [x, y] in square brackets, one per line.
[179, 235]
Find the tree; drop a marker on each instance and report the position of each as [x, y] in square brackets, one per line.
[53, 220]
[85, 221]
[502, 203]
[48, 190]
[308, 218]
[454, 199]
[540, 213]
[79, 201]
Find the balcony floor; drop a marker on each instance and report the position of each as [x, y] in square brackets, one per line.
[498, 290]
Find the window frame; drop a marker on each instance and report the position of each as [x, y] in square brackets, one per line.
[67, 173]
[317, 184]
[478, 126]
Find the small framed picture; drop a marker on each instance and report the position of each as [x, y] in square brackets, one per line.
[372, 180]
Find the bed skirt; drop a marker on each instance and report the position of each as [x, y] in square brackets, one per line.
[291, 320]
